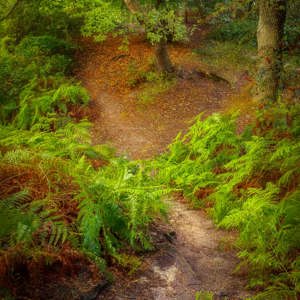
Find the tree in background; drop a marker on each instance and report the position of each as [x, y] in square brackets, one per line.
[270, 30]
[271, 16]
[161, 25]
[159, 19]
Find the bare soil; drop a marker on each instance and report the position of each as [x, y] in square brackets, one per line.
[136, 129]
[192, 255]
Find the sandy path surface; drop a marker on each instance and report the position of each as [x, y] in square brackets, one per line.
[191, 253]
[121, 119]
[193, 256]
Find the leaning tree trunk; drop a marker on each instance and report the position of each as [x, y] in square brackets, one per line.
[161, 51]
[162, 56]
[132, 5]
[270, 43]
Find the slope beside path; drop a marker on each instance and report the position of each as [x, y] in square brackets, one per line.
[193, 254]
[121, 118]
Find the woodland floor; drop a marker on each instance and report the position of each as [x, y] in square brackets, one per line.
[192, 254]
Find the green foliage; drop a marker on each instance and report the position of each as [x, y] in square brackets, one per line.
[160, 23]
[32, 82]
[56, 195]
[164, 24]
[156, 85]
[70, 141]
[192, 159]
[118, 200]
[26, 17]
[22, 223]
[228, 58]
[292, 26]
[204, 296]
[248, 182]
[33, 107]
[98, 211]
[103, 20]
[115, 203]
[240, 31]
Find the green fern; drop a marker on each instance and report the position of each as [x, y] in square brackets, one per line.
[253, 184]
[21, 220]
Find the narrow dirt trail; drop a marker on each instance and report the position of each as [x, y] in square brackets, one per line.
[190, 254]
[136, 129]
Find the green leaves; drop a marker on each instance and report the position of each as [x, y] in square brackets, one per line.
[252, 184]
[32, 82]
[22, 223]
[102, 20]
[163, 24]
[160, 24]
[117, 202]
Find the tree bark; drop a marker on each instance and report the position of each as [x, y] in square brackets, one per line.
[161, 51]
[132, 6]
[162, 56]
[270, 31]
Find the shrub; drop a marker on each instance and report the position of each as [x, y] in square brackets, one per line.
[33, 83]
[241, 31]
[53, 197]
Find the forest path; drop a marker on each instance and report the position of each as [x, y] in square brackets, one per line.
[194, 260]
[140, 121]
[192, 256]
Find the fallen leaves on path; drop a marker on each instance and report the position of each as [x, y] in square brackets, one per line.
[138, 129]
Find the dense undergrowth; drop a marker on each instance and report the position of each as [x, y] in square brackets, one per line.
[33, 80]
[60, 177]
[248, 182]
[62, 199]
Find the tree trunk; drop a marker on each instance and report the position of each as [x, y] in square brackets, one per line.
[132, 6]
[161, 51]
[162, 56]
[270, 43]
